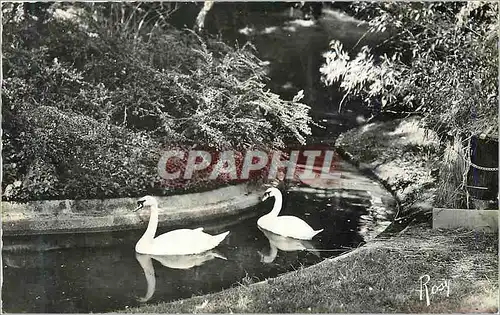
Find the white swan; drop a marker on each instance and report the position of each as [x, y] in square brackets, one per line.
[288, 226]
[285, 244]
[170, 261]
[177, 242]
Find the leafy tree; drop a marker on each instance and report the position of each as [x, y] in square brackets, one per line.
[441, 62]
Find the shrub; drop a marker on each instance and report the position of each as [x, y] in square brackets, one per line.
[443, 65]
[173, 83]
[92, 92]
[74, 155]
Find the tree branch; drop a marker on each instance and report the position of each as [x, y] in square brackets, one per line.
[200, 19]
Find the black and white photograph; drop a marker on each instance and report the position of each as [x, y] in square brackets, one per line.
[250, 157]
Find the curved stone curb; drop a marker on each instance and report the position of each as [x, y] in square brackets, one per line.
[366, 171]
[94, 215]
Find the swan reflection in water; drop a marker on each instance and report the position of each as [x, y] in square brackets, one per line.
[286, 244]
[173, 262]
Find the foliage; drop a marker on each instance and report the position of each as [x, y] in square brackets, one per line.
[360, 76]
[443, 63]
[450, 190]
[122, 68]
[74, 155]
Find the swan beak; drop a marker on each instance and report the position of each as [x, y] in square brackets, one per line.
[140, 205]
[266, 195]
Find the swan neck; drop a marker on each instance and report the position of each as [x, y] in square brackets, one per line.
[153, 223]
[278, 202]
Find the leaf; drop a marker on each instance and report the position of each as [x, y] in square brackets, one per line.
[298, 96]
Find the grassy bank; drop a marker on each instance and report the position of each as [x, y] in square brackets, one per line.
[403, 155]
[382, 276]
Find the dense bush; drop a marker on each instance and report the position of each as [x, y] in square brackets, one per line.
[74, 155]
[443, 65]
[92, 92]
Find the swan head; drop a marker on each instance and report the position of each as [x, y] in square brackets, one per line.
[146, 201]
[271, 192]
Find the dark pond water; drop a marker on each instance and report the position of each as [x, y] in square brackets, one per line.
[101, 272]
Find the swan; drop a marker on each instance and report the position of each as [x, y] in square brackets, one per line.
[288, 226]
[177, 242]
[170, 261]
[285, 244]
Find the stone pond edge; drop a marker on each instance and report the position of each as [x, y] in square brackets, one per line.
[69, 216]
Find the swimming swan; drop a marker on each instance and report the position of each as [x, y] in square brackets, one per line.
[286, 244]
[177, 242]
[170, 261]
[288, 226]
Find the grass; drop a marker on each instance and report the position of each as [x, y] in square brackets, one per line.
[451, 192]
[382, 276]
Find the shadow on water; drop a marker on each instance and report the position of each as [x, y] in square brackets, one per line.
[101, 272]
[286, 244]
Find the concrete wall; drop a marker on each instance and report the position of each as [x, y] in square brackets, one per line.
[94, 215]
[479, 220]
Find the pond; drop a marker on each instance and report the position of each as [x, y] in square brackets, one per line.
[101, 272]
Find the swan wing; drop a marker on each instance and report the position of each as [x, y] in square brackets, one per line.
[290, 226]
[184, 242]
[294, 222]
